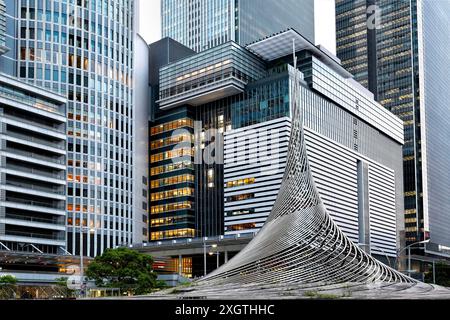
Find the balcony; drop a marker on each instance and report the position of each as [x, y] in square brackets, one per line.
[61, 145]
[32, 222]
[20, 121]
[31, 155]
[35, 203]
[208, 76]
[35, 172]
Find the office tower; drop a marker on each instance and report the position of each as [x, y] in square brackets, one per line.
[2, 27]
[141, 138]
[405, 69]
[354, 145]
[203, 24]
[32, 168]
[84, 50]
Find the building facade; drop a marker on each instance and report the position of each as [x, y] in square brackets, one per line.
[84, 50]
[243, 114]
[33, 168]
[203, 24]
[390, 58]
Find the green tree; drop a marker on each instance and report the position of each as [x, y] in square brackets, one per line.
[7, 286]
[123, 268]
[442, 274]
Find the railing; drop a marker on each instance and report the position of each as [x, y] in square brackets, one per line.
[53, 128]
[35, 203]
[31, 138]
[58, 221]
[58, 191]
[34, 155]
[35, 171]
[34, 235]
[31, 101]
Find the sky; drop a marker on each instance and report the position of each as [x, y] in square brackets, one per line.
[150, 20]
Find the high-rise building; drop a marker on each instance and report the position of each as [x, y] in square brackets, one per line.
[84, 50]
[203, 24]
[32, 168]
[2, 27]
[226, 115]
[392, 48]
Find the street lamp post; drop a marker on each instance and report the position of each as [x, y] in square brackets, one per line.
[82, 290]
[409, 254]
[204, 256]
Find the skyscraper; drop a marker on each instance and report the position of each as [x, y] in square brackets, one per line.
[2, 27]
[236, 100]
[398, 58]
[202, 24]
[84, 50]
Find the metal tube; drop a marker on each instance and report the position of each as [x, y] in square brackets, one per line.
[409, 261]
[81, 264]
[434, 272]
[204, 259]
[218, 258]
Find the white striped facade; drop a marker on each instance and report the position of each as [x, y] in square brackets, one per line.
[335, 171]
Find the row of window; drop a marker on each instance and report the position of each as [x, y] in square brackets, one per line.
[172, 180]
[171, 167]
[240, 197]
[171, 141]
[239, 182]
[177, 233]
[175, 193]
[168, 221]
[177, 153]
[172, 125]
[242, 226]
[172, 207]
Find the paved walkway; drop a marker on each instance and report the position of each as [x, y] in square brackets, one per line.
[297, 291]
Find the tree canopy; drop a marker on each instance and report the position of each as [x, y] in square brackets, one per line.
[123, 268]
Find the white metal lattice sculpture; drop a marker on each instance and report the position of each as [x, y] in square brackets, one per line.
[300, 243]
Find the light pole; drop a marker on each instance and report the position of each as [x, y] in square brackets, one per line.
[368, 245]
[204, 256]
[409, 254]
[82, 291]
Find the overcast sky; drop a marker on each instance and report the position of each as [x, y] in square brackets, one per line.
[150, 20]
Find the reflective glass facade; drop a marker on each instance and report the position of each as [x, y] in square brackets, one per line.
[172, 176]
[407, 30]
[203, 24]
[433, 18]
[2, 27]
[84, 50]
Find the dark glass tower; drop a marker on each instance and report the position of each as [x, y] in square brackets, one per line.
[396, 62]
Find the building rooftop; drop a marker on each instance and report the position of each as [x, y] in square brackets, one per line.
[281, 45]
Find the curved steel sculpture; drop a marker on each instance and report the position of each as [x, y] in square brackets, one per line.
[300, 243]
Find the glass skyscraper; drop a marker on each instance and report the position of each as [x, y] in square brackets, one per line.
[202, 24]
[83, 49]
[398, 61]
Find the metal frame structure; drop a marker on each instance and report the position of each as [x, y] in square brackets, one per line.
[300, 243]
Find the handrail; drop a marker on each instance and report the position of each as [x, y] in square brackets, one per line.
[34, 187]
[33, 219]
[33, 155]
[33, 235]
[34, 171]
[34, 203]
[34, 139]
